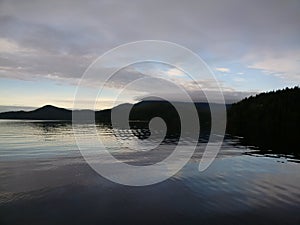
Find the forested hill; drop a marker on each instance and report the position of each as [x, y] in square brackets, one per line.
[268, 120]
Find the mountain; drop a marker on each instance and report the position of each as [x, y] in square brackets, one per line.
[268, 120]
[140, 114]
[47, 112]
[146, 110]
[142, 111]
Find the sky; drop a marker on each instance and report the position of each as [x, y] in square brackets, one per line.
[46, 46]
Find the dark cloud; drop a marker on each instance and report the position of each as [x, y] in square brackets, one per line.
[59, 39]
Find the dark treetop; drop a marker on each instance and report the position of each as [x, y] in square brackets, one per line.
[268, 120]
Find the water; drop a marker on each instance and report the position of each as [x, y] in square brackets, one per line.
[44, 180]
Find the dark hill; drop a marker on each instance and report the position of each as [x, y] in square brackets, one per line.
[47, 112]
[146, 110]
[143, 112]
[268, 120]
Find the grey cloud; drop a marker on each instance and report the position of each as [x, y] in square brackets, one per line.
[196, 24]
[66, 36]
[199, 96]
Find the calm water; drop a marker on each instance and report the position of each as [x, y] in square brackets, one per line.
[44, 180]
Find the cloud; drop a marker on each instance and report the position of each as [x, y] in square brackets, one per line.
[58, 40]
[239, 79]
[10, 47]
[200, 96]
[175, 72]
[282, 65]
[223, 69]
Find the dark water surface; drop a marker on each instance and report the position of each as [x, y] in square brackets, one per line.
[44, 180]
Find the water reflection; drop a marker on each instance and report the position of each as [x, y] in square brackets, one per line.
[44, 180]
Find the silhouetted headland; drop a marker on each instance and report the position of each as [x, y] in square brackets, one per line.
[140, 114]
[47, 112]
[270, 121]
